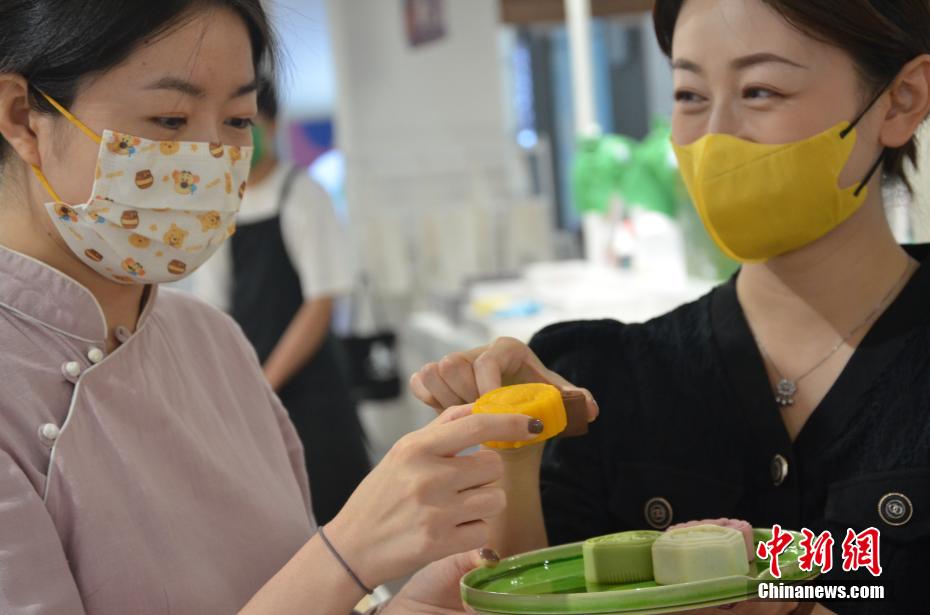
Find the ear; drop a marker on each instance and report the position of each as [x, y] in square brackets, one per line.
[174, 175]
[196, 179]
[17, 118]
[910, 102]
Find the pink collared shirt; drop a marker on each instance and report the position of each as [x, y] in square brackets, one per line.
[164, 477]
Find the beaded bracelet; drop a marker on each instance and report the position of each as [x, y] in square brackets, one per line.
[344, 563]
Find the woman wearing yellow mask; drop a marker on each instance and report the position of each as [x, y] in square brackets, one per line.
[797, 392]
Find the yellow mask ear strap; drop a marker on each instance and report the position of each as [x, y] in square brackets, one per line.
[87, 131]
[80, 125]
[44, 181]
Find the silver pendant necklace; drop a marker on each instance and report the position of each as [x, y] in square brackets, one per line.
[787, 388]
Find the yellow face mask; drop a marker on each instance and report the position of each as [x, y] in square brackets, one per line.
[759, 201]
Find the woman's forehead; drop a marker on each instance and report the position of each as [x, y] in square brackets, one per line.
[722, 29]
[211, 51]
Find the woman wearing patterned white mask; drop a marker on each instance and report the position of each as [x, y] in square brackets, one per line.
[145, 464]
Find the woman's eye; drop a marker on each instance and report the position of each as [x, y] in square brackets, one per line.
[170, 123]
[760, 94]
[240, 123]
[687, 97]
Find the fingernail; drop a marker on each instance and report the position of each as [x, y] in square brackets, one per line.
[489, 556]
[536, 426]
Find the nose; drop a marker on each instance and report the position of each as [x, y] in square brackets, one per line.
[722, 120]
[205, 128]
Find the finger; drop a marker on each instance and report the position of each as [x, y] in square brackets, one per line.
[488, 557]
[451, 438]
[420, 391]
[479, 504]
[593, 407]
[471, 536]
[510, 359]
[459, 374]
[453, 414]
[462, 563]
[438, 388]
[501, 359]
[478, 469]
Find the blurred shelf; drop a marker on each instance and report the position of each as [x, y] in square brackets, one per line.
[524, 12]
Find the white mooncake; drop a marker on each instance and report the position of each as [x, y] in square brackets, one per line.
[736, 524]
[696, 553]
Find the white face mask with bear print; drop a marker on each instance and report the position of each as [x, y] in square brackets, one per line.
[158, 209]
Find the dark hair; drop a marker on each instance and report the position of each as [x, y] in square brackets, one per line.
[267, 97]
[56, 43]
[882, 36]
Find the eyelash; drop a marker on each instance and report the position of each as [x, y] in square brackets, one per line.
[684, 96]
[692, 98]
[248, 123]
[176, 123]
[169, 123]
[747, 93]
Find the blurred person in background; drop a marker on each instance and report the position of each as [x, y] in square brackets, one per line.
[278, 277]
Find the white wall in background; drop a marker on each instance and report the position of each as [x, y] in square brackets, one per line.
[443, 91]
[659, 80]
[423, 131]
[308, 80]
[921, 183]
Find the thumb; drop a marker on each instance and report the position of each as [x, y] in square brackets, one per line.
[461, 564]
[437, 585]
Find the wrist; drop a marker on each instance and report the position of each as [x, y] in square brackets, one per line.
[353, 554]
[271, 376]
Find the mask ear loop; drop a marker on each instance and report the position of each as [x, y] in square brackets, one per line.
[79, 124]
[868, 108]
[852, 126]
[872, 171]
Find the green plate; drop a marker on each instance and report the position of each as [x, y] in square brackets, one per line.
[551, 582]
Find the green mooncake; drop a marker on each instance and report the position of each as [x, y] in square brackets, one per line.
[619, 558]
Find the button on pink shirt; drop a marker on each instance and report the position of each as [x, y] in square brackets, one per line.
[164, 477]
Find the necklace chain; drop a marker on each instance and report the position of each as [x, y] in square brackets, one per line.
[787, 388]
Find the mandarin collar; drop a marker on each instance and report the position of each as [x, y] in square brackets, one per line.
[46, 295]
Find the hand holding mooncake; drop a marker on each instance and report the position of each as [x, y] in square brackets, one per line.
[562, 413]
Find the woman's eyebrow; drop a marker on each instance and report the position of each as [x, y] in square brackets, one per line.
[740, 63]
[178, 85]
[688, 65]
[195, 91]
[763, 58]
[245, 89]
